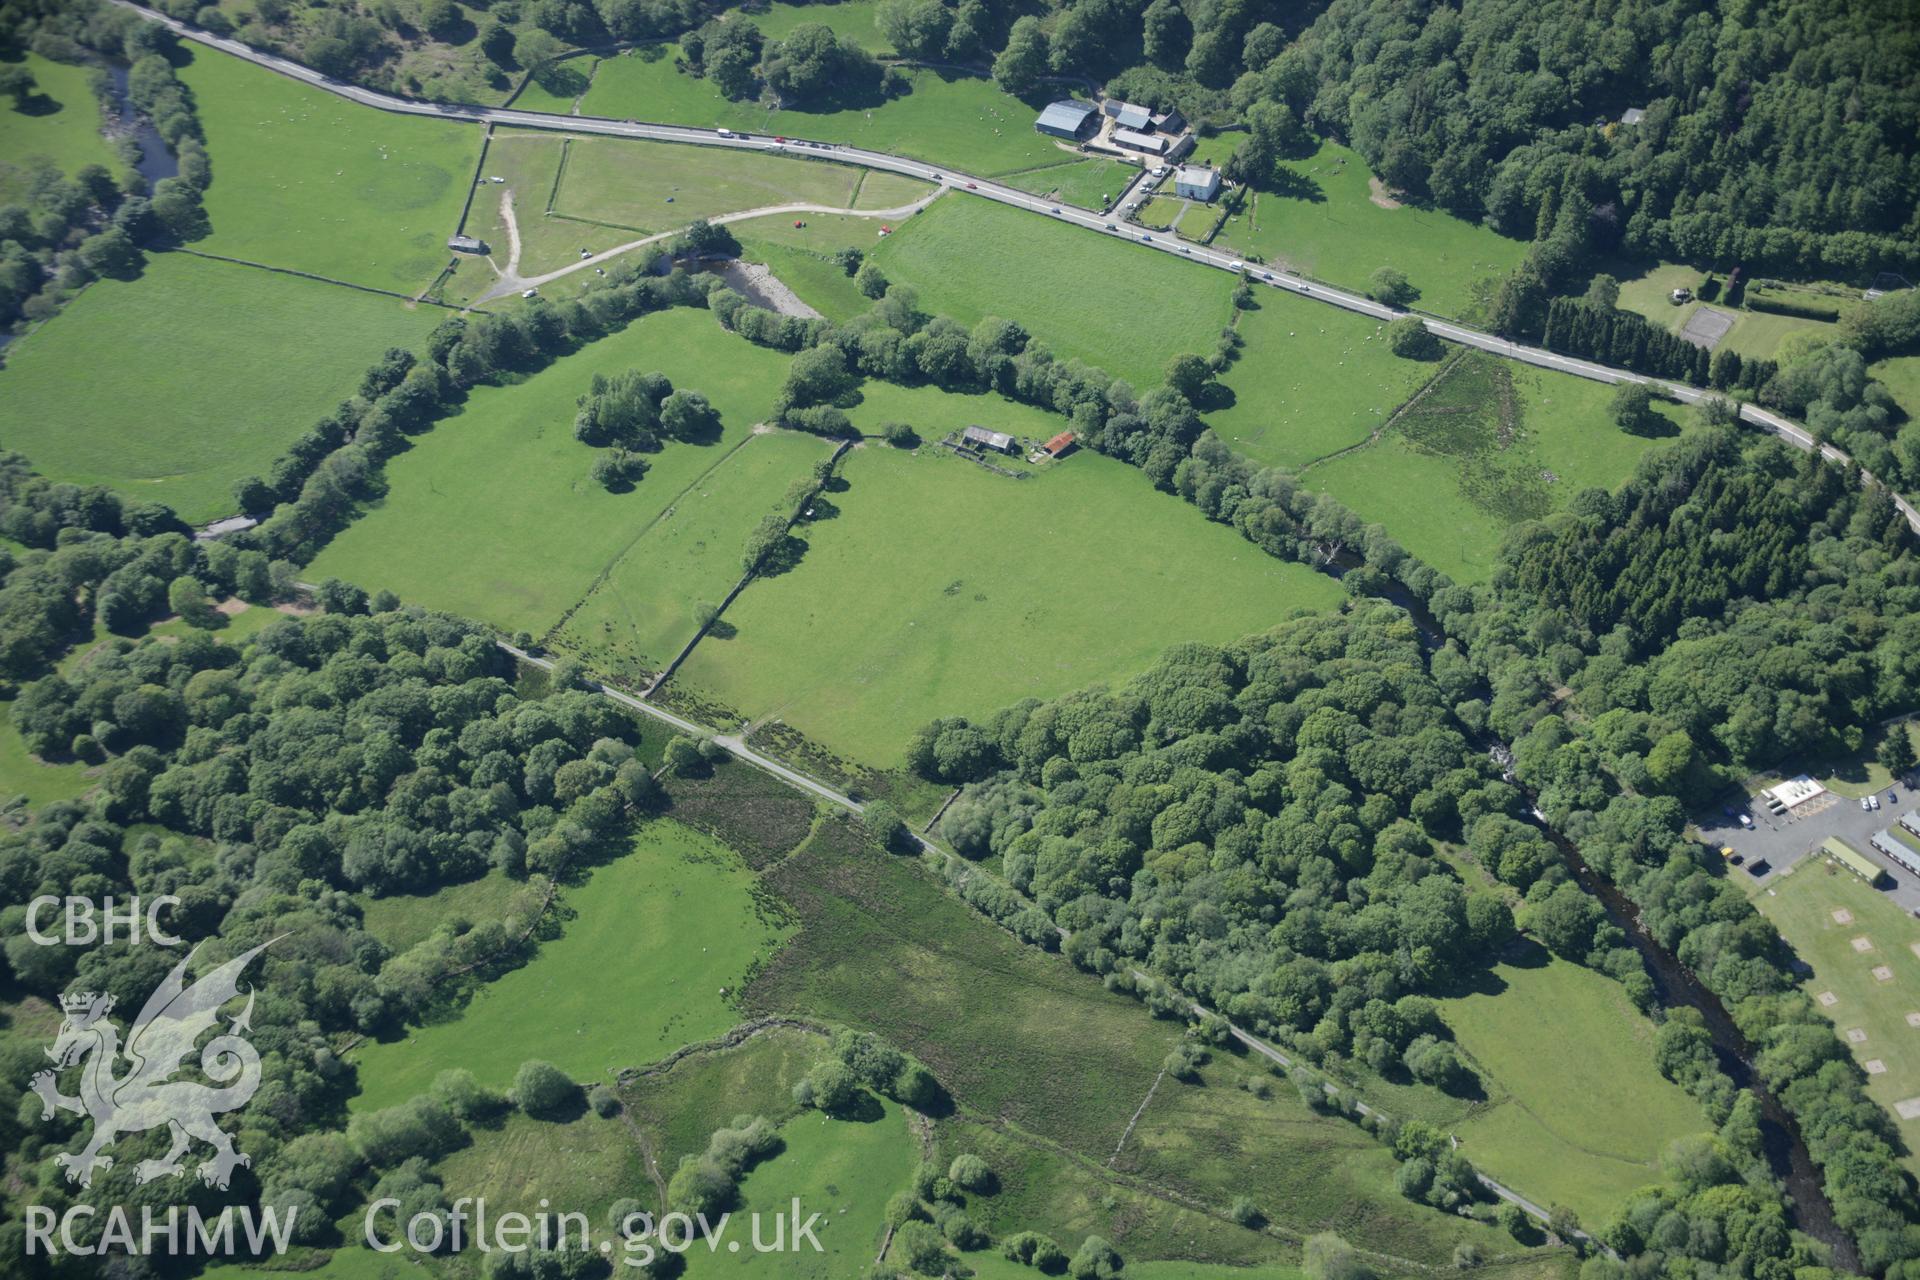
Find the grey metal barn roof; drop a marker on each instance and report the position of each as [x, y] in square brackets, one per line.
[1129, 116]
[992, 439]
[1134, 141]
[1067, 115]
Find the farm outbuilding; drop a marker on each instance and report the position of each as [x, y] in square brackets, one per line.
[1851, 858]
[1127, 115]
[1060, 445]
[1152, 144]
[1196, 182]
[467, 244]
[1067, 119]
[981, 438]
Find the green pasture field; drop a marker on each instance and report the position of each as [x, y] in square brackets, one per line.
[1802, 906]
[494, 514]
[580, 1165]
[654, 936]
[534, 96]
[1901, 374]
[24, 774]
[1584, 1125]
[849, 19]
[1648, 291]
[574, 193]
[1306, 1172]
[679, 1105]
[1472, 458]
[1091, 184]
[405, 919]
[215, 369]
[1043, 1189]
[1311, 380]
[314, 183]
[844, 1170]
[642, 611]
[814, 277]
[948, 118]
[1011, 1031]
[61, 126]
[940, 588]
[1127, 309]
[1328, 226]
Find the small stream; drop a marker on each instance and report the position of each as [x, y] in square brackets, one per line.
[156, 160]
[1676, 984]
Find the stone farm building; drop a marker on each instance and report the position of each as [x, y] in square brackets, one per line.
[981, 438]
[467, 244]
[1068, 119]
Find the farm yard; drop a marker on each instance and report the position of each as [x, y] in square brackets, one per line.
[1473, 457]
[1583, 1126]
[677, 911]
[218, 368]
[1333, 224]
[1082, 295]
[939, 588]
[311, 183]
[535, 530]
[1310, 382]
[1845, 931]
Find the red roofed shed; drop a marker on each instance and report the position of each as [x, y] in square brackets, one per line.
[1059, 445]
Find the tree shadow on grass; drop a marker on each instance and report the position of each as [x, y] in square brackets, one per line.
[1290, 184]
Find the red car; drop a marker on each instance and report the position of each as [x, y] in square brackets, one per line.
[972, 187]
[779, 139]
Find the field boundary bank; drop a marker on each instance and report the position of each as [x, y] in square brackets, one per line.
[1332, 295]
[308, 275]
[606, 571]
[753, 570]
[731, 1039]
[1407, 406]
[479, 169]
[740, 750]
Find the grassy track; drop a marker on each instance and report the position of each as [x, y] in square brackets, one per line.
[1581, 1126]
[940, 588]
[637, 619]
[215, 368]
[612, 190]
[679, 915]
[61, 127]
[1327, 225]
[1040, 1189]
[1128, 309]
[312, 182]
[947, 119]
[1802, 907]
[494, 515]
[1475, 455]
[1310, 381]
[1220, 1141]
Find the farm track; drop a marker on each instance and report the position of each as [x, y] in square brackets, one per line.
[987, 189]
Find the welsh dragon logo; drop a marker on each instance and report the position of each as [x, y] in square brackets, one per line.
[146, 1096]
